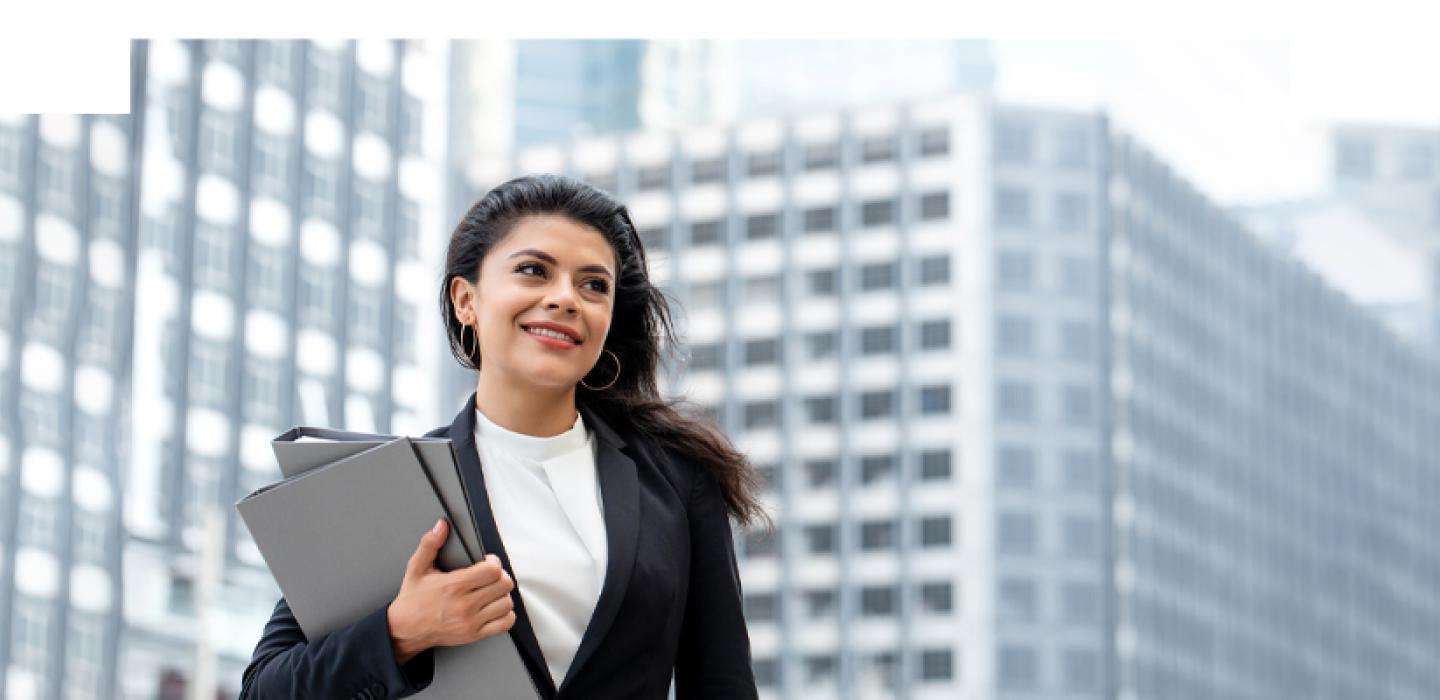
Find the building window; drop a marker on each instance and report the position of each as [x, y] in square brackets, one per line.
[707, 295]
[323, 82]
[934, 270]
[9, 155]
[317, 302]
[877, 468]
[767, 672]
[181, 598]
[217, 142]
[820, 345]
[1078, 467]
[1080, 603]
[412, 130]
[706, 356]
[1077, 276]
[321, 189]
[937, 665]
[877, 340]
[761, 227]
[934, 142]
[820, 603]
[877, 404]
[759, 543]
[655, 238]
[407, 229]
[1016, 534]
[1417, 161]
[819, 219]
[934, 400]
[1077, 341]
[762, 607]
[1072, 211]
[820, 409]
[208, 370]
[31, 627]
[762, 164]
[820, 473]
[761, 414]
[761, 289]
[1081, 670]
[1082, 540]
[934, 206]
[1012, 207]
[366, 307]
[1015, 401]
[935, 531]
[53, 288]
[877, 276]
[373, 104]
[212, 256]
[90, 532]
[821, 156]
[1078, 405]
[1072, 148]
[880, 212]
[820, 669]
[261, 392]
[877, 535]
[877, 149]
[877, 601]
[37, 526]
[1018, 668]
[1013, 143]
[274, 61]
[935, 465]
[707, 171]
[55, 179]
[764, 351]
[402, 340]
[708, 232]
[1015, 336]
[272, 165]
[937, 597]
[1015, 272]
[656, 177]
[108, 208]
[368, 212]
[935, 335]
[820, 283]
[820, 539]
[1017, 599]
[1355, 159]
[1016, 467]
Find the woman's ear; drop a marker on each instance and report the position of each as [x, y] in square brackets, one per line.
[462, 297]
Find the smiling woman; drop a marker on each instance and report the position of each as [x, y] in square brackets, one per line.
[605, 510]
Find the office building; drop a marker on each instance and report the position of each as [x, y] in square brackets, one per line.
[1038, 419]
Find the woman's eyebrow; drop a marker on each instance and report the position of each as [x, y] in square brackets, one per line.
[551, 260]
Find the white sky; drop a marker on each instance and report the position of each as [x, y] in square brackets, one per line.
[1242, 120]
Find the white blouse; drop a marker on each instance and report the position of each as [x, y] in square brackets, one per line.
[546, 500]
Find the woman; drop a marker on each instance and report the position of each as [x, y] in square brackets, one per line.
[605, 510]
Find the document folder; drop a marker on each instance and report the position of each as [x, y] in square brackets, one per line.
[337, 535]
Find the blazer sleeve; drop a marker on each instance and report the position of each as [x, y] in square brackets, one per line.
[713, 659]
[352, 662]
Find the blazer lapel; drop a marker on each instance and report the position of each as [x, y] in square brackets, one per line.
[620, 494]
[462, 438]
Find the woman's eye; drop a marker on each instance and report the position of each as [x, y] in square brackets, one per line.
[522, 267]
[599, 285]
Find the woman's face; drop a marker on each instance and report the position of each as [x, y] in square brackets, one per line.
[542, 302]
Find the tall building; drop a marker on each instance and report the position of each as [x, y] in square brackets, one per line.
[66, 242]
[251, 249]
[570, 87]
[1038, 419]
[1374, 233]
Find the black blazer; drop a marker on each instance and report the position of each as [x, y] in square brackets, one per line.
[670, 601]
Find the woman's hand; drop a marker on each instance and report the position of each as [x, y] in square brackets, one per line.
[439, 608]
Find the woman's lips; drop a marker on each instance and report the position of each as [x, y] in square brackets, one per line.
[552, 342]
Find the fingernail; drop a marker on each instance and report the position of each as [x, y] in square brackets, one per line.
[436, 529]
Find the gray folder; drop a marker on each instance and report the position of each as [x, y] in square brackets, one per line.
[337, 538]
[301, 449]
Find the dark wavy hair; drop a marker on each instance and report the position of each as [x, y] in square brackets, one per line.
[640, 322]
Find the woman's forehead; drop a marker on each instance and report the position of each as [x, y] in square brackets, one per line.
[563, 238]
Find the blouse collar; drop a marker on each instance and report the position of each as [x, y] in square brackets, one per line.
[531, 447]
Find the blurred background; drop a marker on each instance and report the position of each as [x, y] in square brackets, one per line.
[1077, 370]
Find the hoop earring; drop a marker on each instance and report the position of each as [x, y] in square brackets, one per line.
[470, 353]
[612, 380]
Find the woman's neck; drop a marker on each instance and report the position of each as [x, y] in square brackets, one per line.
[528, 410]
